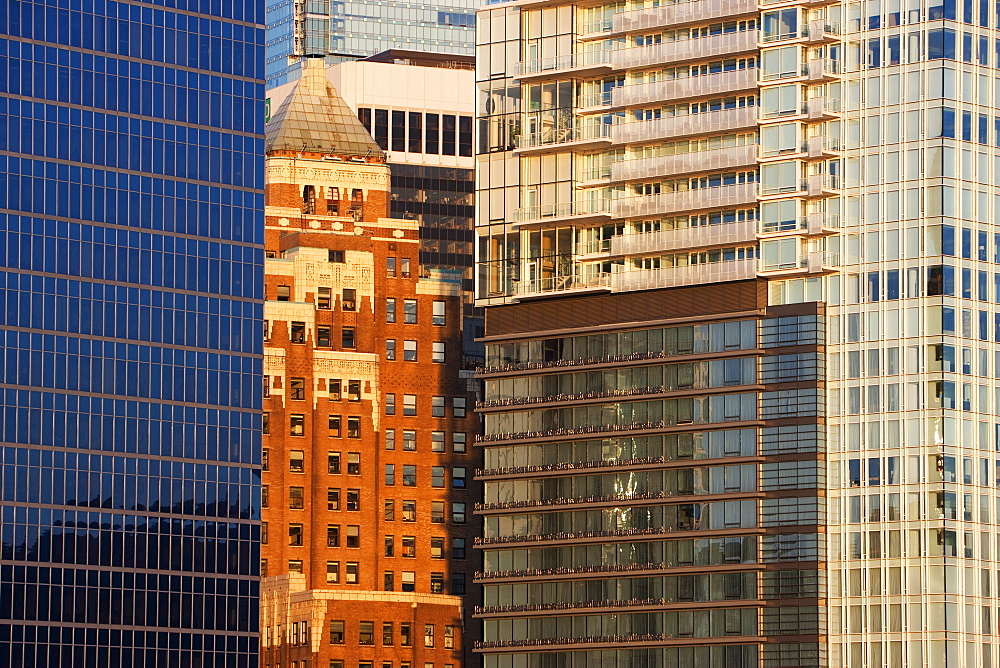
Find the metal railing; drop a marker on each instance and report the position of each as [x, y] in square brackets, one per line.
[562, 210]
[813, 223]
[567, 62]
[698, 86]
[687, 49]
[687, 200]
[687, 237]
[678, 13]
[564, 135]
[559, 284]
[690, 124]
[695, 274]
[699, 161]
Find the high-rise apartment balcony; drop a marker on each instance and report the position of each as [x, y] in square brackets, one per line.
[822, 69]
[680, 13]
[822, 108]
[676, 89]
[594, 135]
[819, 223]
[587, 63]
[699, 161]
[821, 30]
[686, 49]
[688, 200]
[578, 212]
[690, 124]
[683, 238]
[815, 262]
[694, 274]
[540, 287]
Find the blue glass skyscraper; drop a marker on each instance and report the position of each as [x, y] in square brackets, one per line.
[131, 222]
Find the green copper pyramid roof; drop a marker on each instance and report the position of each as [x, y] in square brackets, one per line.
[315, 118]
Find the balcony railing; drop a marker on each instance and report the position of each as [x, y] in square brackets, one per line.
[820, 107]
[673, 89]
[687, 200]
[699, 161]
[679, 13]
[586, 59]
[687, 237]
[538, 286]
[687, 49]
[695, 274]
[814, 223]
[565, 210]
[816, 262]
[690, 124]
[552, 136]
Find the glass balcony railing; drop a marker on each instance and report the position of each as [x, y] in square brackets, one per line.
[687, 49]
[690, 124]
[679, 13]
[675, 89]
[814, 31]
[566, 135]
[699, 161]
[687, 237]
[820, 107]
[815, 262]
[695, 274]
[587, 59]
[527, 287]
[814, 223]
[565, 210]
[687, 200]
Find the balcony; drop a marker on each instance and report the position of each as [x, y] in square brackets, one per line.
[822, 185]
[680, 13]
[594, 135]
[676, 89]
[688, 200]
[822, 69]
[816, 262]
[695, 274]
[822, 108]
[691, 124]
[578, 212]
[821, 31]
[588, 63]
[822, 146]
[541, 287]
[814, 224]
[684, 238]
[699, 161]
[684, 50]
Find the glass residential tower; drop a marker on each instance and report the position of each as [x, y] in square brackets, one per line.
[740, 268]
[131, 287]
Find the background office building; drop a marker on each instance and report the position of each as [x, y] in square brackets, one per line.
[740, 273]
[339, 31]
[131, 200]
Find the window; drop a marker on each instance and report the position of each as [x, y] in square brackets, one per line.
[263, 533]
[324, 298]
[390, 267]
[437, 352]
[409, 350]
[437, 583]
[458, 583]
[296, 498]
[388, 583]
[284, 293]
[267, 330]
[297, 387]
[409, 511]
[449, 637]
[353, 428]
[387, 634]
[297, 425]
[437, 407]
[354, 499]
[334, 390]
[390, 546]
[353, 536]
[294, 565]
[458, 512]
[437, 547]
[296, 461]
[404, 267]
[409, 404]
[438, 313]
[458, 548]
[323, 337]
[298, 334]
[333, 571]
[458, 442]
[390, 439]
[390, 475]
[409, 475]
[390, 310]
[264, 494]
[353, 463]
[458, 404]
[333, 462]
[409, 440]
[336, 631]
[295, 534]
[390, 404]
[410, 311]
[332, 498]
[366, 633]
[354, 390]
[348, 300]
[437, 441]
[333, 535]
[265, 459]
[437, 476]
[409, 547]
[352, 573]
[428, 635]
[347, 337]
[405, 639]
[267, 387]
[389, 510]
[335, 255]
[458, 477]
[265, 424]
[437, 512]
[334, 426]
[390, 349]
